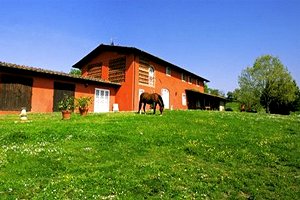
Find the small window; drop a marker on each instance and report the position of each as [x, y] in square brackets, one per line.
[198, 82]
[183, 99]
[151, 76]
[168, 71]
[190, 79]
[183, 77]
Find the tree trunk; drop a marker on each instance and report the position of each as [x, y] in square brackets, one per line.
[268, 107]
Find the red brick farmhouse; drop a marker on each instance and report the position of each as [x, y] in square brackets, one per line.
[114, 76]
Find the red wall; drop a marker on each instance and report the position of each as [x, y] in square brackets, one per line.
[127, 96]
[89, 90]
[173, 83]
[43, 92]
[42, 95]
[124, 94]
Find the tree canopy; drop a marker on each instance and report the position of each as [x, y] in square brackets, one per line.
[75, 72]
[267, 83]
[213, 91]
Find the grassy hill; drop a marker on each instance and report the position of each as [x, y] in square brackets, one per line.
[181, 155]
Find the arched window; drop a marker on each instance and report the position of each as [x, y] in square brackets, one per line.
[151, 76]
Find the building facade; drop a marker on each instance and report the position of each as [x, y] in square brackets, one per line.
[111, 75]
[40, 90]
[138, 71]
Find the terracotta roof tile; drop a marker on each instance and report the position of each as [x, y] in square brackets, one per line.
[51, 72]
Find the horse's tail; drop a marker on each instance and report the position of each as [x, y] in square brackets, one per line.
[161, 101]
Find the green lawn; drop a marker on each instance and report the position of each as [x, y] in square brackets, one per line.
[180, 155]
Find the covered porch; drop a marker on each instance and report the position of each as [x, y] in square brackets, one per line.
[198, 100]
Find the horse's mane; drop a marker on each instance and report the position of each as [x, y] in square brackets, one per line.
[161, 100]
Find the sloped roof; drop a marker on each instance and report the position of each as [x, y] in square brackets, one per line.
[4, 66]
[206, 94]
[127, 50]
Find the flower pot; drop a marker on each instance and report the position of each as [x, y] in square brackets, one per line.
[66, 114]
[83, 111]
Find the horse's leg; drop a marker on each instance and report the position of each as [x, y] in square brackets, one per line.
[140, 106]
[144, 108]
[160, 109]
[154, 108]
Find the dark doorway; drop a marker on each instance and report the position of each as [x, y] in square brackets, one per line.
[61, 89]
[198, 100]
[15, 93]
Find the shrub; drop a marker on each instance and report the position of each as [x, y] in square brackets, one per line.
[67, 103]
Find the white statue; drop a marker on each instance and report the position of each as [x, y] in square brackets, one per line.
[23, 115]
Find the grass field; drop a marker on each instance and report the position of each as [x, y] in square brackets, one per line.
[180, 155]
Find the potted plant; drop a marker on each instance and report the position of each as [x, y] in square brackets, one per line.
[83, 105]
[66, 105]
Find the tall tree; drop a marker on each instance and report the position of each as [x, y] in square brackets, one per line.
[267, 83]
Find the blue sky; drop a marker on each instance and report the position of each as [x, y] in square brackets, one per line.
[214, 39]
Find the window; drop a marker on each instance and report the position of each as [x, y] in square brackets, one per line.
[151, 76]
[183, 77]
[143, 74]
[190, 79]
[183, 99]
[117, 70]
[198, 82]
[146, 75]
[168, 71]
[146, 72]
[95, 70]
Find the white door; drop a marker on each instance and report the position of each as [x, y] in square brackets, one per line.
[101, 103]
[166, 98]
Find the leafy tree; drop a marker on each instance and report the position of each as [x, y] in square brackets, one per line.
[216, 92]
[230, 96]
[206, 89]
[296, 104]
[75, 72]
[212, 91]
[267, 83]
[245, 93]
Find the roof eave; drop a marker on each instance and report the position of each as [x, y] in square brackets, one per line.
[50, 73]
[103, 47]
[210, 95]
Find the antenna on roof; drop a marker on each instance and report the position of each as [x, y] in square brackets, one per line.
[112, 42]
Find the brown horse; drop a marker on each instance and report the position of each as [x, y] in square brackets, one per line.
[152, 99]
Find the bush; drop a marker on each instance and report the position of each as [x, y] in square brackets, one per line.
[228, 109]
[67, 103]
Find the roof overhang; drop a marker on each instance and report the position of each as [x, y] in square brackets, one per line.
[129, 50]
[29, 71]
[206, 95]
